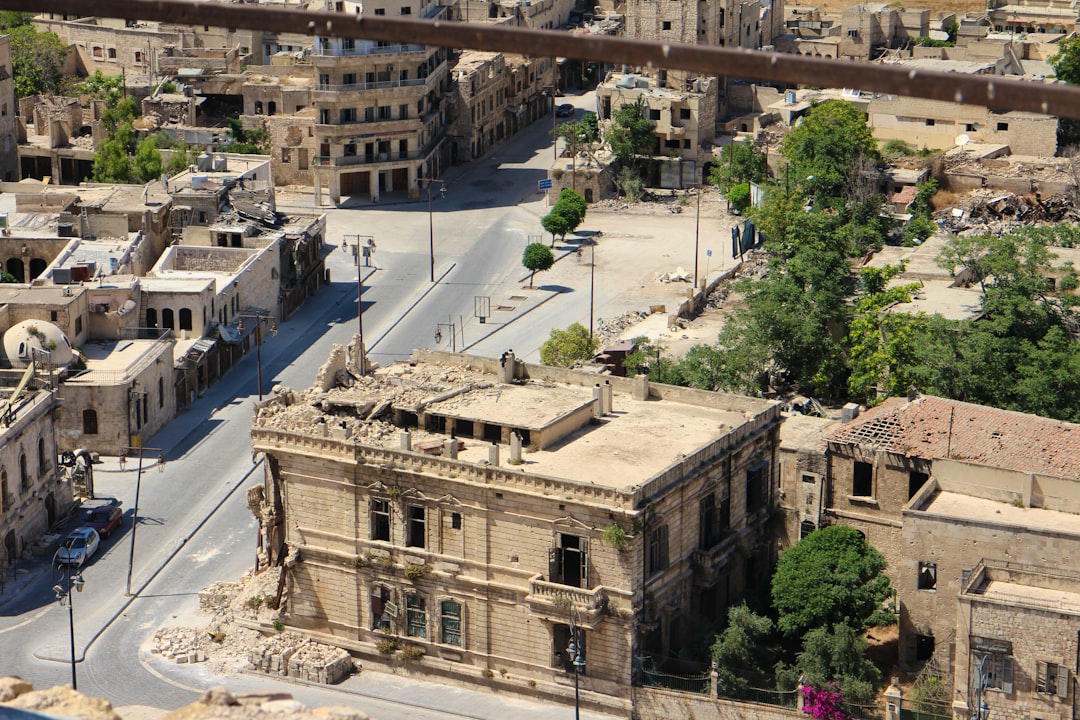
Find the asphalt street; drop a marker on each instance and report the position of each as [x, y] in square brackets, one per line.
[194, 527]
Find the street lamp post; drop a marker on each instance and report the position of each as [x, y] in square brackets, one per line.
[135, 510]
[592, 284]
[697, 234]
[366, 251]
[63, 595]
[577, 657]
[979, 679]
[259, 320]
[431, 220]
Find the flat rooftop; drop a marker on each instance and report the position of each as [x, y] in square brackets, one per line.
[637, 441]
[114, 361]
[1017, 594]
[965, 507]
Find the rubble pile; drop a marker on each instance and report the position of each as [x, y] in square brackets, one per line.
[611, 329]
[229, 646]
[988, 211]
[1043, 169]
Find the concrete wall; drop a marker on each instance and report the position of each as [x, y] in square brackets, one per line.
[652, 703]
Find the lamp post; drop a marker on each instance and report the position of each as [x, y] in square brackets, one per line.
[366, 250]
[135, 510]
[592, 284]
[431, 221]
[697, 232]
[576, 651]
[259, 320]
[63, 596]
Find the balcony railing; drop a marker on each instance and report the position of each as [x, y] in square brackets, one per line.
[561, 598]
[329, 51]
[383, 85]
[353, 160]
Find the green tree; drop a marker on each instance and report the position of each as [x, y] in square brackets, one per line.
[245, 142]
[836, 654]
[829, 138]
[629, 184]
[630, 134]
[738, 196]
[103, 87]
[563, 348]
[37, 60]
[147, 163]
[739, 163]
[1066, 61]
[12, 19]
[739, 654]
[555, 223]
[112, 164]
[831, 577]
[537, 258]
[573, 207]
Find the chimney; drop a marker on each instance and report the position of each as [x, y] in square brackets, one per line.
[641, 387]
[493, 454]
[598, 401]
[507, 362]
[406, 441]
[515, 448]
[450, 449]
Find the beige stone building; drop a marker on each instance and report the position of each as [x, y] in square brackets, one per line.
[479, 104]
[937, 486]
[32, 495]
[469, 508]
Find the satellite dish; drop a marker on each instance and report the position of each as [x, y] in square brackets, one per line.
[963, 139]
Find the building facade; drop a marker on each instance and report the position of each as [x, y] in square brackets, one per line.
[473, 509]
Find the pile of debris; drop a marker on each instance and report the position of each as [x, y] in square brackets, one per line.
[610, 329]
[987, 211]
[244, 632]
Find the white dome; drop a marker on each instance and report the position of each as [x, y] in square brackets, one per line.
[22, 337]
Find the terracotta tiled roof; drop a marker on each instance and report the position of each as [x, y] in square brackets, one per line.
[936, 428]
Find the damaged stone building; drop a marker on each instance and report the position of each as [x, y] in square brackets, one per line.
[472, 508]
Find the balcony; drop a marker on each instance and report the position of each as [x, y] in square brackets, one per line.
[354, 160]
[368, 129]
[555, 600]
[335, 93]
[321, 51]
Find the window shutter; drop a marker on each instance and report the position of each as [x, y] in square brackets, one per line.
[1042, 675]
[555, 557]
[1007, 676]
[1062, 681]
[585, 563]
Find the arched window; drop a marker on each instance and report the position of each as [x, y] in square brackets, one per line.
[167, 319]
[24, 476]
[89, 422]
[161, 392]
[5, 494]
[271, 107]
[43, 463]
[185, 319]
[151, 317]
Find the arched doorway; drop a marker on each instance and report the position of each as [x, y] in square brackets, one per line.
[16, 270]
[11, 547]
[50, 508]
[37, 266]
[151, 317]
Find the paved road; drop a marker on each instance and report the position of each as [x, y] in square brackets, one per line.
[194, 527]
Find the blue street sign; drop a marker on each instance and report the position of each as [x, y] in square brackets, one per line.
[543, 184]
[708, 253]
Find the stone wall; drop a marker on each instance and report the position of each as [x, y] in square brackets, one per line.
[659, 704]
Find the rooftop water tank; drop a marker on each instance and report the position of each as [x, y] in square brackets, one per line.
[197, 182]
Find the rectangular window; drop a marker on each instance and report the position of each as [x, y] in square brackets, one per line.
[406, 11]
[658, 549]
[1052, 679]
[915, 482]
[1002, 127]
[805, 528]
[684, 113]
[450, 622]
[654, 114]
[380, 520]
[347, 115]
[665, 24]
[568, 563]
[927, 576]
[415, 616]
[998, 671]
[381, 608]
[455, 520]
[384, 112]
[415, 531]
[756, 487]
[930, 122]
[403, 112]
[708, 522]
[862, 479]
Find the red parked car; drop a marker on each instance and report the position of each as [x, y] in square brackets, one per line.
[105, 519]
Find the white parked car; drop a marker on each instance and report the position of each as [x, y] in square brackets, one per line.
[78, 547]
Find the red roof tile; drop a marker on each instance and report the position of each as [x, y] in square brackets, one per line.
[936, 428]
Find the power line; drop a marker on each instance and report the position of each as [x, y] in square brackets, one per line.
[986, 90]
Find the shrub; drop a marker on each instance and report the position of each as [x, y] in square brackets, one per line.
[411, 654]
[386, 646]
[615, 536]
[416, 572]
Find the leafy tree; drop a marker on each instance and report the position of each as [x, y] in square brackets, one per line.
[555, 223]
[824, 144]
[837, 655]
[37, 59]
[147, 163]
[630, 134]
[537, 258]
[740, 163]
[103, 87]
[831, 577]
[245, 142]
[648, 354]
[739, 196]
[565, 347]
[6, 277]
[12, 19]
[739, 652]
[630, 184]
[111, 163]
[1066, 61]
[578, 135]
[591, 126]
[572, 206]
